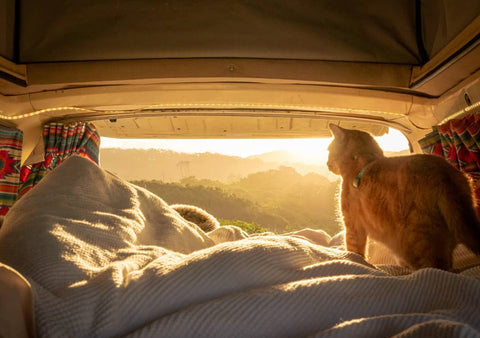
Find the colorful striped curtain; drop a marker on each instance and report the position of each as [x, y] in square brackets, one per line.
[458, 141]
[10, 157]
[61, 141]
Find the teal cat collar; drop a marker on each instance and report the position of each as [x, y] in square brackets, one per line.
[358, 178]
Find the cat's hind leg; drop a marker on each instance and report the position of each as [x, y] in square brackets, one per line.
[423, 247]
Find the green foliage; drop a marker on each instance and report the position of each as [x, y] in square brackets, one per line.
[251, 228]
[218, 202]
[277, 200]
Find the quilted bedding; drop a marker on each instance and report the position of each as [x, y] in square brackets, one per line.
[108, 259]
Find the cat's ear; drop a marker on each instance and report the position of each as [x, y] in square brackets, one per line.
[337, 131]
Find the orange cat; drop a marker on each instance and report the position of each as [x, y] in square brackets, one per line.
[419, 206]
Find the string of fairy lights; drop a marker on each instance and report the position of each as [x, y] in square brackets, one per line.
[202, 105]
[4, 116]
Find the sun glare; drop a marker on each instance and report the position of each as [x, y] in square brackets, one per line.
[393, 141]
[308, 150]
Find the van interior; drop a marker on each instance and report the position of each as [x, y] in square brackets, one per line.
[85, 253]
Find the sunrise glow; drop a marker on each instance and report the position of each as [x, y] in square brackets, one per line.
[306, 149]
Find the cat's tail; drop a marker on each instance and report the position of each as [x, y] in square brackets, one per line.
[459, 211]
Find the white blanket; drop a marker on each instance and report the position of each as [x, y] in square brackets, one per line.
[108, 259]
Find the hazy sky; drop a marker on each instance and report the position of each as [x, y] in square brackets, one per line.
[313, 147]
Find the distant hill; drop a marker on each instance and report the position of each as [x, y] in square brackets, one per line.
[290, 159]
[170, 166]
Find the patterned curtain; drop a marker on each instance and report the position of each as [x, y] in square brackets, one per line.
[61, 141]
[458, 141]
[10, 157]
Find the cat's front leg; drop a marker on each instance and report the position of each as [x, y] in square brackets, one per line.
[355, 238]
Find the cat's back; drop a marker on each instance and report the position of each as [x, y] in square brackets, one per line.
[418, 176]
[420, 166]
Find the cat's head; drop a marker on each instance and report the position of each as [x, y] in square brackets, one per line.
[351, 150]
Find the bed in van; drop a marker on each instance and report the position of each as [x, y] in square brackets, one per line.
[86, 253]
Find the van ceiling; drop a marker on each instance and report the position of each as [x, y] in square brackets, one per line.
[400, 63]
[225, 126]
[381, 31]
[420, 47]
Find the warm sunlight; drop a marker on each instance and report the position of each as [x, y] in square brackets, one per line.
[250, 181]
[307, 150]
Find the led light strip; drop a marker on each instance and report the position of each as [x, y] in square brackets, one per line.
[42, 111]
[205, 105]
[460, 112]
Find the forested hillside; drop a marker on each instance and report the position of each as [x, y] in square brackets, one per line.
[170, 166]
[279, 200]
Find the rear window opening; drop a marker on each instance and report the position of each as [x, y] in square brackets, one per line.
[277, 185]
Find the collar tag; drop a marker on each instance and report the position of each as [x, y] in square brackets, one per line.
[356, 181]
[358, 178]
